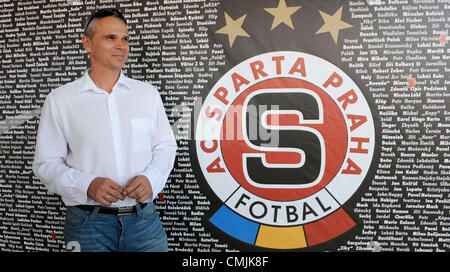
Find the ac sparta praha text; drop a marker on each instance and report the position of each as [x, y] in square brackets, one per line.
[299, 68]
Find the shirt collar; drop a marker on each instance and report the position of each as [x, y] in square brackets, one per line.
[87, 84]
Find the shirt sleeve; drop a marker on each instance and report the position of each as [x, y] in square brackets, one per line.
[50, 156]
[163, 151]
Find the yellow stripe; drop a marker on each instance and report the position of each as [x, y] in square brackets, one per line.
[281, 237]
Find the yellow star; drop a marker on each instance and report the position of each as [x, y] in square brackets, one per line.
[282, 14]
[233, 28]
[333, 24]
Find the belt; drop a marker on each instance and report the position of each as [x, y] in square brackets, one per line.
[113, 210]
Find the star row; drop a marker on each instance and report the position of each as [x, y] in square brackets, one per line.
[282, 14]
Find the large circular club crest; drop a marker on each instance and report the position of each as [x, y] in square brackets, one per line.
[284, 139]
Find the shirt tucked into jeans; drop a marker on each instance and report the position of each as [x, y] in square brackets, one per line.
[84, 133]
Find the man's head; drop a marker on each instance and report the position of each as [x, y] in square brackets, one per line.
[106, 39]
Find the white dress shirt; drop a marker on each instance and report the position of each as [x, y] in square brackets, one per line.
[86, 132]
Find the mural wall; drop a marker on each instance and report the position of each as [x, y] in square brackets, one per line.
[301, 125]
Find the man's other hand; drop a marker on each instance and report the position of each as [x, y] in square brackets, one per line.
[139, 188]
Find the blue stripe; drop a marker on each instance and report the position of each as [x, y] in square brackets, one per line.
[235, 225]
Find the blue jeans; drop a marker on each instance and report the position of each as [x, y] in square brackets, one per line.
[141, 231]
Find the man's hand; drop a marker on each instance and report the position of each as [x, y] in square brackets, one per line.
[139, 188]
[105, 191]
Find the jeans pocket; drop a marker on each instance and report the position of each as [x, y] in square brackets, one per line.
[76, 218]
[149, 211]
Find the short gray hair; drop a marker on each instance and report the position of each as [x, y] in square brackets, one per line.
[90, 27]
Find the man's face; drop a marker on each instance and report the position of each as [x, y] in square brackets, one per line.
[109, 46]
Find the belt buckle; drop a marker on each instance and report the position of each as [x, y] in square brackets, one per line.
[124, 211]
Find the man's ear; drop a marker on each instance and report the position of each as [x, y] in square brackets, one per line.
[87, 43]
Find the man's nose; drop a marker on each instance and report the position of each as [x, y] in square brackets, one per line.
[121, 44]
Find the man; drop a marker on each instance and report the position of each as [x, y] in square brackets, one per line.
[105, 145]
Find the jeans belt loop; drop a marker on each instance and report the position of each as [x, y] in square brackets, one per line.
[94, 213]
[138, 210]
